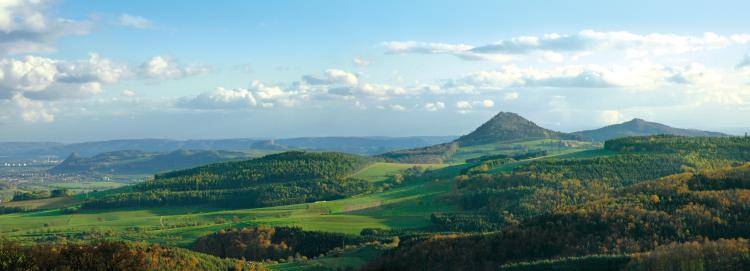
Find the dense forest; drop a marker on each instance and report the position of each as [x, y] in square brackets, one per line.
[110, 255]
[282, 167]
[431, 154]
[724, 148]
[657, 202]
[268, 243]
[277, 179]
[261, 195]
[643, 203]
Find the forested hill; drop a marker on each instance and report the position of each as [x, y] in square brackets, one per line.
[639, 127]
[139, 162]
[580, 219]
[510, 126]
[293, 165]
[277, 179]
[732, 148]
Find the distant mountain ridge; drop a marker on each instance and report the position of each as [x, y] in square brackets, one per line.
[355, 145]
[640, 127]
[139, 162]
[510, 126]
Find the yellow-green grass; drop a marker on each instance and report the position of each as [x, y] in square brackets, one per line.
[49, 203]
[404, 207]
[378, 172]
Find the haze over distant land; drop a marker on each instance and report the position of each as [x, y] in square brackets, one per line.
[375, 135]
[640, 127]
[79, 71]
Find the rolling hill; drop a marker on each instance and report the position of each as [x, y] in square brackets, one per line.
[354, 145]
[276, 179]
[640, 127]
[140, 162]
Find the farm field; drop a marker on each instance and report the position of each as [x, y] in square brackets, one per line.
[408, 206]
[404, 207]
[552, 146]
[379, 172]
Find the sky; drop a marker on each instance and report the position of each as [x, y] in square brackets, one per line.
[73, 71]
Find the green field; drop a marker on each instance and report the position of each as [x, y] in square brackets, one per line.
[407, 206]
[552, 146]
[379, 172]
[50, 203]
[403, 207]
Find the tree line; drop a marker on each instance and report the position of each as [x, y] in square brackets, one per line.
[685, 208]
[110, 255]
[274, 243]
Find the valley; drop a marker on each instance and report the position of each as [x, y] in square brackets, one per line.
[389, 209]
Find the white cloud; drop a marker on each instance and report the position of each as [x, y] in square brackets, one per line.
[553, 57]
[31, 111]
[510, 96]
[28, 74]
[94, 68]
[343, 83]
[162, 67]
[609, 117]
[333, 77]
[360, 105]
[257, 95]
[462, 51]
[397, 107]
[129, 93]
[361, 62]
[221, 98]
[741, 38]
[381, 90]
[133, 21]
[50, 79]
[463, 105]
[640, 74]
[434, 106]
[552, 46]
[488, 103]
[27, 26]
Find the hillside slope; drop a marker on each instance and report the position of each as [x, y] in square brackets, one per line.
[510, 126]
[355, 145]
[684, 208]
[277, 179]
[640, 127]
[503, 127]
[139, 162]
